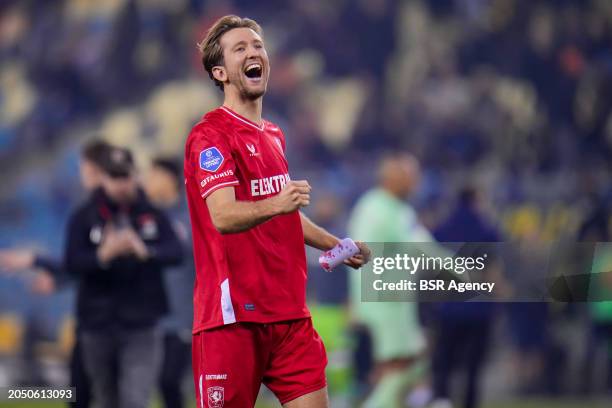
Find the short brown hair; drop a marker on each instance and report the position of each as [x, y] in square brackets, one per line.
[95, 151]
[210, 47]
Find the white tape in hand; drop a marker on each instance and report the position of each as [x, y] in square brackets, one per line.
[338, 254]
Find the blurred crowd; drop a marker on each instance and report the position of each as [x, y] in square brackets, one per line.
[513, 98]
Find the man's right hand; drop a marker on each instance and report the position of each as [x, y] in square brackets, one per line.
[230, 216]
[295, 195]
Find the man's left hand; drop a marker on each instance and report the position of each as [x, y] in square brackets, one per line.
[362, 258]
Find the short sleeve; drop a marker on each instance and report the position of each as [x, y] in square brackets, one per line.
[211, 161]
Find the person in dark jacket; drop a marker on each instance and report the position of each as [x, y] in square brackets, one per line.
[51, 275]
[118, 245]
[463, 331]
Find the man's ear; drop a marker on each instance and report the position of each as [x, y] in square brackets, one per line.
[219, 73]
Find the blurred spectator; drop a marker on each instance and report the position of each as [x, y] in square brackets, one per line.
[463, 330]
[52, 271]
[529, 323]
[117, 246]
[163, 187]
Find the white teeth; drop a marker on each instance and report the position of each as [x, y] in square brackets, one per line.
[253, 66]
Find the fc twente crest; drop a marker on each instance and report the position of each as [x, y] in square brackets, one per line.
[215, 397]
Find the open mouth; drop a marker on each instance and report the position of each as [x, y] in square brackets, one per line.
[253, 71]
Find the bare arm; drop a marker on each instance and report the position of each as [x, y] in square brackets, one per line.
[230, 215]
[316, 236]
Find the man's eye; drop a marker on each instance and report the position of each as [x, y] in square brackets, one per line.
[240, 49]
[258, 46]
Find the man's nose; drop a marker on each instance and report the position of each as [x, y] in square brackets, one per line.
[253, 52]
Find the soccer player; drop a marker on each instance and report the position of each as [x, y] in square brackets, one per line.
[251, 323]
[383, 215]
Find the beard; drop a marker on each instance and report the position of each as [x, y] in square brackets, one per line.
[246, 92]
[251, 94]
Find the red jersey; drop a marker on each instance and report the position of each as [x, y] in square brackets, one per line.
[258, 275]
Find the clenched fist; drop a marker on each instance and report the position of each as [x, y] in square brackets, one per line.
[295, 195]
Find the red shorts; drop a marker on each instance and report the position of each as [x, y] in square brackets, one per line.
[231, 362]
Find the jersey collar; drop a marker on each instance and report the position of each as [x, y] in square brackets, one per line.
[243, 119]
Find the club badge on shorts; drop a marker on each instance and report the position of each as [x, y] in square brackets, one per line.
[211, 159]
[215, 397]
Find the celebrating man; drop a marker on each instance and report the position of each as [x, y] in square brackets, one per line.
[251, 323]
